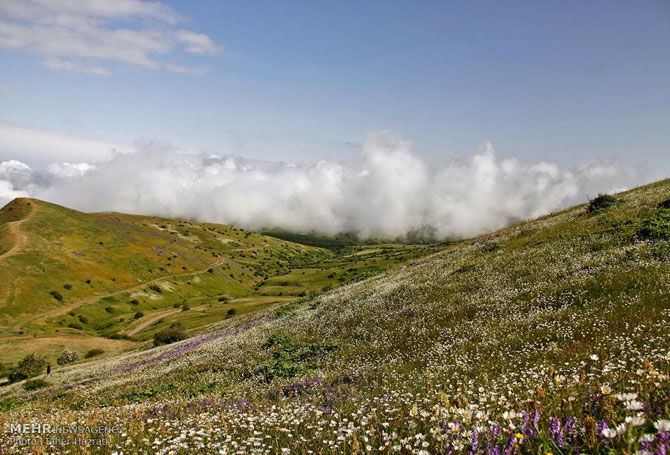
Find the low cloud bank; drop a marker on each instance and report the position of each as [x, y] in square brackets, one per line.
[387, 191]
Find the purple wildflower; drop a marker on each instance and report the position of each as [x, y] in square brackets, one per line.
[475, 442]
[556, 431]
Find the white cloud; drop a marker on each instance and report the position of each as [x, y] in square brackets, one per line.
[116, 9]
[181, 69]
[79, 35]
[13, 175]
[69, 170]
[57, 64]
[387, 190]
[197, 43]
[7, 193]
[42, 147]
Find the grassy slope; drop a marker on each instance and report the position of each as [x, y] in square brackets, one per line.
[117, 252]
[546, 319]
[118, 272]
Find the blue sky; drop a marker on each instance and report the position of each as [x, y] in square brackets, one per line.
[302, 81]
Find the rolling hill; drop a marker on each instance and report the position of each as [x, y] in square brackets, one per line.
[77, 280]
[550, 336]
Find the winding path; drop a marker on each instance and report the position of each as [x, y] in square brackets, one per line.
[151, 320]
[20, 237]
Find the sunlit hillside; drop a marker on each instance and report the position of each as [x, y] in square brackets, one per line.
[104, 280]
[550, 336]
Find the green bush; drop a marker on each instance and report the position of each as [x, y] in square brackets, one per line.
[277, 339]
[30, 366]
[294, 358]
[34, 384]
[139, 314]
[657, 226]
[16, 376]
[67, 356]
[109, 309]
[56, 295]
[601, 202]
[155, 288]
[172, 334]
[76, 326]
[83, 319]
[93, 353]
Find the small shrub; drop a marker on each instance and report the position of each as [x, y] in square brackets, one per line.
[67, 286]
[210, 270]
[56, 295]
[665, 204]
[223, 299]
[138, 315]
[172, 334]
[34, 384]
[120, 336]
[67, 356]
[30, 366]
[601, 202]
[287, 309]
[155, 288]
[657, 226]
[295, 358]
[16, 376]
[93, 353]
[109, 309]
[76, 326]
[185, 308]
[134, 302]
[491, 246]
[83, 319]
[277, 339]
[231, 312]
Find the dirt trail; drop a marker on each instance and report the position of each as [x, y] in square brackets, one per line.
[20, 237]
[152, 320]
[66, 309]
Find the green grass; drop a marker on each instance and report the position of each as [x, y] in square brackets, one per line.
[551, 319]
[90, 274]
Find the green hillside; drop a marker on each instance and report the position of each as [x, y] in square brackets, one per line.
[549, 337]
[79, 280]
